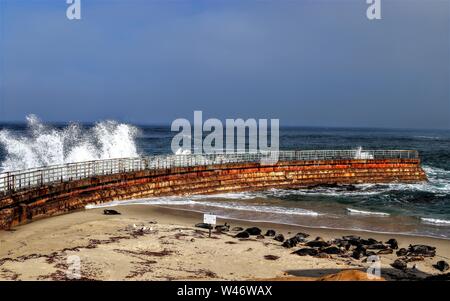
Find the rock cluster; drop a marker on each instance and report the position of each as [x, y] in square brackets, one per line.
[349, 246]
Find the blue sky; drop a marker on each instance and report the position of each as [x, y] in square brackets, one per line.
[313, 63]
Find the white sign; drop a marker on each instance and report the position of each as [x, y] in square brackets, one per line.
[209, 219]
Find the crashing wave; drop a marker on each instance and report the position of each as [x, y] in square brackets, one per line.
[44, 145]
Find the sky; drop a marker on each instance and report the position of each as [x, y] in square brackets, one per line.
[305, 62]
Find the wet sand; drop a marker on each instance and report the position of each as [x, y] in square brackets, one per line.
[111, 247]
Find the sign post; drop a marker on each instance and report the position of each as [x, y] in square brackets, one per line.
[209, 219]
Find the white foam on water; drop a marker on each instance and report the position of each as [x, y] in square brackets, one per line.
[361, 212]
[262, 209]
[435, 221]
[44, 145]
[197, 201]
[428, 137]
[439, 183]
[149, 201]
[361, 189]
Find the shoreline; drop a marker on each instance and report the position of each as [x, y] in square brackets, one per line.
[262, 222]
[171, 248]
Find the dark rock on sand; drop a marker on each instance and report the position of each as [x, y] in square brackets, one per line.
[423, 250]
[270, 233]
[377, 246]
[342, 243]
[260, 237]
[331, 250]
[290, 243]
[393, 244]
[399, 264]
[243, 234]
[237, 229]
[370, 253]
[223, 228]
[322, 255]
[317, 244]
[279, 237]
[369, 242]
[441, 266]
[413, 258]
[302, 235]
[401, 252]
[253, 231]
[351, 237]
[293, 241]
[110, 212]
[271, 257]
[306, 251]
[385, 252]
[357, 254]
[361, 248]
[352, 240]
[203, 226]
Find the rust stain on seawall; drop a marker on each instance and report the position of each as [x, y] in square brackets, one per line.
[27, 205]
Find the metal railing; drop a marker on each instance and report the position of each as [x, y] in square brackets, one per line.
[18, 180]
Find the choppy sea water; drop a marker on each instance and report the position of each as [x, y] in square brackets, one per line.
[418, 209]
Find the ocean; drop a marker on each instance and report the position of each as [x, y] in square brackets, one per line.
[417, 209]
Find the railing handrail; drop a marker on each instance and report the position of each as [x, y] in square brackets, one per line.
[35, 177]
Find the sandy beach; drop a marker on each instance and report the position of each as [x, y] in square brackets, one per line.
[112, 247]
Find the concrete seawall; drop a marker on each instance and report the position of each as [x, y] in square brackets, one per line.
[30, 204]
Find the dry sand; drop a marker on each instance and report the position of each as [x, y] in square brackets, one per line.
[171, 248]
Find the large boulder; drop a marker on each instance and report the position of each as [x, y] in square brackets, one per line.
[441, 266]
[223, 228]
[393, 244]
[357, 254]
[253, 231]
[377, 246]
[423, 250]
[385, 252]
[402, 252]
[293, 241]
[318, 244]
[279, 237]
[302, 235]
[243, 234]
[270, 233]
[203, 226]
[399, 264]
[331, 250]
[306, 251]
[290, 243]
